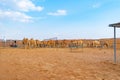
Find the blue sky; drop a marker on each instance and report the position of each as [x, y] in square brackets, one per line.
[65, 19]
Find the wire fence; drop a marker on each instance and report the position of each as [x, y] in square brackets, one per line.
[85, 44]
[10, 43]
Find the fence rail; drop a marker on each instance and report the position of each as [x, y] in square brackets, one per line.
[18, 44]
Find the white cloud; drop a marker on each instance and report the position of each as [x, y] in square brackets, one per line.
[39, 0]
[21, 5]
[15, 16]
[16, 10]
[58, 13]
[27, 5]
[97, 5]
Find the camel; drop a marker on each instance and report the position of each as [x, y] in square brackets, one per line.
[104, 44]
[38, 42]
[96, 43]
[26, 43]
[32, 43]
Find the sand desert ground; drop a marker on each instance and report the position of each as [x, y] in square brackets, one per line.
[58, 64]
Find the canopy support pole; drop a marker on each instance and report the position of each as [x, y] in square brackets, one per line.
[114, 44]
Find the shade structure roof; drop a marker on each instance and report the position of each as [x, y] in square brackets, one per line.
[115, 25]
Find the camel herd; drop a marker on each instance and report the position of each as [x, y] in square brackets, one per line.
[31, 43]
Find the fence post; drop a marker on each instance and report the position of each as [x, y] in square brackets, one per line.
[114, 44]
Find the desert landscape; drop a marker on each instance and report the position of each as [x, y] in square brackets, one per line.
[58, 64]
[59, 40]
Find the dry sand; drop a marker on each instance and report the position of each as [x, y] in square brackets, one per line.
[58, 64]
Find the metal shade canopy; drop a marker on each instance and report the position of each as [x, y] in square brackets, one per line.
[118, 26]
[115, 25]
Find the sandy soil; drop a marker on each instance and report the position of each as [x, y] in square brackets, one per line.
[58, 64]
